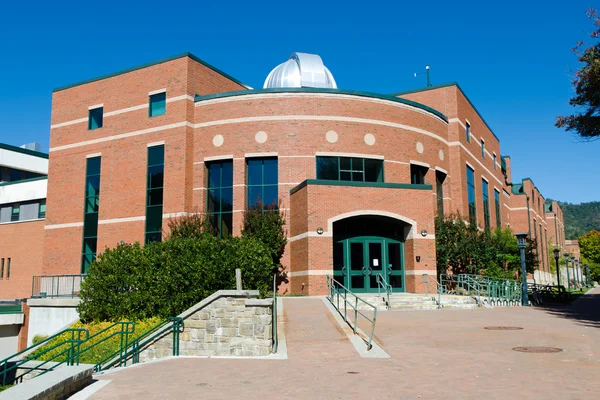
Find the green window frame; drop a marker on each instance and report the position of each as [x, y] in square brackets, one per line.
[15, 212]
[154, 193]
[42, 209]
[486, 203]
[95, 118]
[219, 199]
[468, 131]
[351, 169]
[262, 176]
[471, 194]
[417, 174]
[90, 212]
[498, 209]
[158, 104]
[439, 189]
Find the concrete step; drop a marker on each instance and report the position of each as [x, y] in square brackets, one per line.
[459, 306]
[414, 306]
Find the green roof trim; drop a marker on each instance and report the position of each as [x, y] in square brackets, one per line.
[23, 151]
[323, 90]
[383, 185]
[517, 188]
[164, 60]
[443, 85]
[39, 178]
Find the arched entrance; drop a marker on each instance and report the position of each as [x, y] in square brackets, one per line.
[367, 246]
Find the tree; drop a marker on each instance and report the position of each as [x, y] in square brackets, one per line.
[586, 121]
[589, 245]
[266, 223]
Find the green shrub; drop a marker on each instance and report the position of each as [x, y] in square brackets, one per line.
[266, 223]
[38, 338]
[164, 279]
[96, 353]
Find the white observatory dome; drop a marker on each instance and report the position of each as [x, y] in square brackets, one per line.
[301, 70]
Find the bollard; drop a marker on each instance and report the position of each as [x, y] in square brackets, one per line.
[238, 279]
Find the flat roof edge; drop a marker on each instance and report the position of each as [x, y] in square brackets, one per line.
[23, 151]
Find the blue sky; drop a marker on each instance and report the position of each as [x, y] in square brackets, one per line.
[512, 59]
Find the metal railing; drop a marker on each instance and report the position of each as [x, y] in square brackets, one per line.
[274, 316]
[430, 282]
[498, 291]
[56, 285]
[382, 284]
[125, 329]
[338, 292]
[66, 351]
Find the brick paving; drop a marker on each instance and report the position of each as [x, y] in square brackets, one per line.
[443, 354]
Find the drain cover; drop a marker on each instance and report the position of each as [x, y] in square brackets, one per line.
[537, 349]
[503, 328]
[352, 372]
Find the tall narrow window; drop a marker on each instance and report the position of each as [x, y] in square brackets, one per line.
[468, 131]
[158, 104]
[90, 212]
[154, 193]
[495, 162]
[542, 252]
[8, 268]
[439, 188]
[482, 148]
[220, 197]
[95, 116]
[350, 169]
[42, 209]
[262, 175]
[498, 209]
[471, 194]
[2, 270]
[15, 212]
[417, 174]
[486, 203]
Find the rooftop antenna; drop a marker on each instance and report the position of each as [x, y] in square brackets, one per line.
[426, 73]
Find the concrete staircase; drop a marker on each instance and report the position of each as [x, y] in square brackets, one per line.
[412, 301]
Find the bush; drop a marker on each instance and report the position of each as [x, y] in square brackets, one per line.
[266, 223]
[164, 279]
[38, 338]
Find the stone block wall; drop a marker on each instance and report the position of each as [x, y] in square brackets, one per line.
[228, 323]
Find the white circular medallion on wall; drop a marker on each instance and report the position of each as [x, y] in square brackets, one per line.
[218, 140]
[441, 154]
[370, 139]
[420, 148]
[261, 137]
[331, 136]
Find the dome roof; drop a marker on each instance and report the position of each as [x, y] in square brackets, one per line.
[301, 70]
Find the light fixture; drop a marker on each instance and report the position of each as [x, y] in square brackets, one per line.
[320, 230]
[423, 233]
[122, 242]
[521, 240]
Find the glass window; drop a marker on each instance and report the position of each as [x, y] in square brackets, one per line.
[95, 118]
[15, 212]
[495, 162]
[351, 169]
[482, 149]
[155, 193]
[158, 104]
[468, 131]
[2, 270]
[486, 203]
[42, 209]
[439, 188]
[90, 212]
[417, 174]
[8, 268]
[498, 210]
[220, 197]
[262, 181]
[471, 194]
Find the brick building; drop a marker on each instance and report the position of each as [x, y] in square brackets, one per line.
[360, 176]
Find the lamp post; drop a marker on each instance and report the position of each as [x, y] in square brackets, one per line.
[578, 272]
[522, 243]
[574, 275]
[587, 275]
[568, 277]
[556, 255]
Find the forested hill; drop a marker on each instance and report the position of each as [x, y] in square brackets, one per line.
[580, 218]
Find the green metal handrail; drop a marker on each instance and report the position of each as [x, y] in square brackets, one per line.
[438, 288]
[70, 353]
[338, 291]
[498, 291]
[274, 316]
[133, 349]
[382, 284]
[126, 329]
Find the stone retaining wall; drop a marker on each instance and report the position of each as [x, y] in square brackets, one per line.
[227, 323]
[57, 384]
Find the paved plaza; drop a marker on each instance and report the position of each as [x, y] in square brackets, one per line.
[442, 354]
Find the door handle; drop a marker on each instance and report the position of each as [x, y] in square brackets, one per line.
[344, 271]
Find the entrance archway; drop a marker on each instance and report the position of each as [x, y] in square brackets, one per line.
[366, 246]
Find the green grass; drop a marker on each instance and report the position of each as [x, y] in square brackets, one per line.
[97, 348]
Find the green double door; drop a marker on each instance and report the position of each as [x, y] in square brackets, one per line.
[359, 260]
